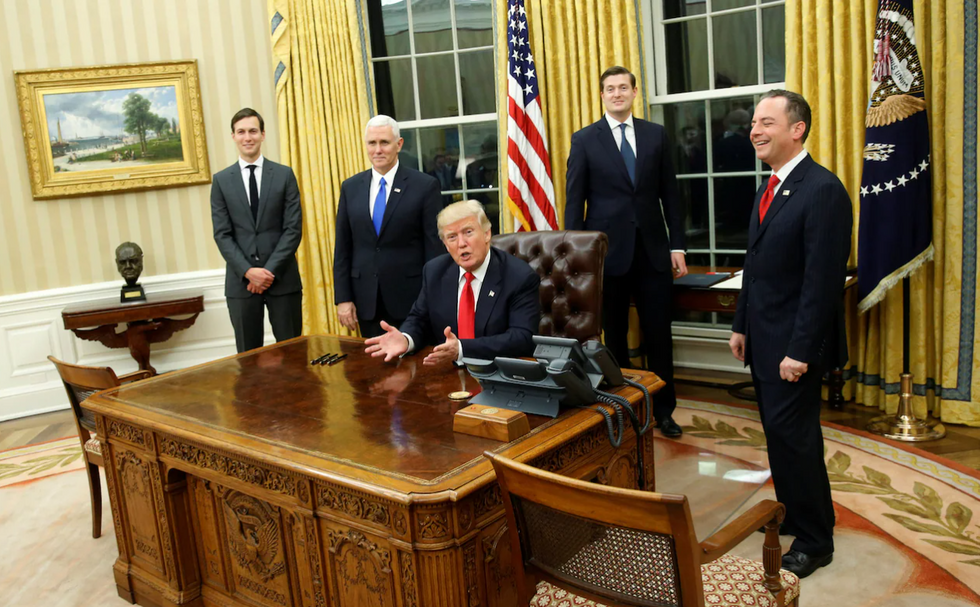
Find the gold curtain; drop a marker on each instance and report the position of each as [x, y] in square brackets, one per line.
[572, 41]
[322, 100]
[828, 60]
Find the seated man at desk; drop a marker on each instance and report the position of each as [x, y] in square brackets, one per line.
[476, 301]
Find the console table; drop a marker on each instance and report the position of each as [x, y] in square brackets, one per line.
[147, 322]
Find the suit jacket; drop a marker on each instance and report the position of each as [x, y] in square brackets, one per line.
[365, 261]
[791, 303]
[270, 242]
[597, 173]
[505, 321]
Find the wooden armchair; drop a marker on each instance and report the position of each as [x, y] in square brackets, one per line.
[582, 543]
[80, 383]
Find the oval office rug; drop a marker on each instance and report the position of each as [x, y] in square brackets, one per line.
[907, 534]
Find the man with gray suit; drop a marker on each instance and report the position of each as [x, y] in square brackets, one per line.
[258, 225]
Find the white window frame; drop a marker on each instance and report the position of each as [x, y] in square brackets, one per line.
[656, 85]
[419, 123]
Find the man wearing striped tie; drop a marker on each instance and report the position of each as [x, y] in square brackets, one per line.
[621, 166]
[476, 301]
[386, 231]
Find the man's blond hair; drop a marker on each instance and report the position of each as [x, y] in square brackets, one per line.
[458, 211]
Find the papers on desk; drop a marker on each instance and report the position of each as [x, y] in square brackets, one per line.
[732, 284]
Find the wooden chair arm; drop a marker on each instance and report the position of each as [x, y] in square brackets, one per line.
[135, 375]
[766, 512]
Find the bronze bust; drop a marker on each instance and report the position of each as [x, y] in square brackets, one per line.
[129, 262]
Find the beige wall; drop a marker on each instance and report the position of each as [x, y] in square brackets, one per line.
[47, 244]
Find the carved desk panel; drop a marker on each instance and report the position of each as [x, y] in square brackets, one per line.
[262, 480]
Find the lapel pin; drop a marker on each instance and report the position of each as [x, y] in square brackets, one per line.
[785, 192]
[490, 293]
[398, 190]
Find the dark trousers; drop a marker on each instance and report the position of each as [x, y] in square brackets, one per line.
[651, 291]
[371, 327]
[790, 415]
[248, 316]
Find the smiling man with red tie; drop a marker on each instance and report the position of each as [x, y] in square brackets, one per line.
[789, 321]
[476, 300]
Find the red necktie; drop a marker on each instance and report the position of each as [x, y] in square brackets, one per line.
[767, 197]
[467, 306]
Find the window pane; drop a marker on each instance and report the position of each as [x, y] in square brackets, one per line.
[396, 95]
[474, 23]
[686, 130]
[389, 27]
[694, 202]
[409, 156]
[729, 260]
[774, 44]
[480, 147]
[476, 77]
[491, 202]
[440, 156]
[437, 86]
[687, 56]
[731, 121]
[433, 26]
[736, 62]
[681, 8]
[722, 5]
[734, 197]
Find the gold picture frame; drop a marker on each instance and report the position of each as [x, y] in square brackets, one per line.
[112, 128]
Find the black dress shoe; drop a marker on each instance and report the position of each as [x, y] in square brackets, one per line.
[803, 564]
[669, 428]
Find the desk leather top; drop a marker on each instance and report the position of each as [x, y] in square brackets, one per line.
[384, 423]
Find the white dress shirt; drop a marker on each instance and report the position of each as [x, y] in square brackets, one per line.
[376, 185]
[786, 169]
[631, 139]
[476, 284]
[246, 173]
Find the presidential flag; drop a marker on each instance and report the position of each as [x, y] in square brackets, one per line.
[895, 233]
[530, 192]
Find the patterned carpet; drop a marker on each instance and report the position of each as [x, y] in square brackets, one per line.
[906, 532]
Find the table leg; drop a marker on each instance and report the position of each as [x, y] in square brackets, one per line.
[139, 346]
[836, 389]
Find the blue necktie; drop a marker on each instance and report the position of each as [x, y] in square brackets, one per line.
[379, 208]
[628, 156]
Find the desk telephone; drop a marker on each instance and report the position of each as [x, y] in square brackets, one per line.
[564, 373]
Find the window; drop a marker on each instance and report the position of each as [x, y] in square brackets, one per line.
[712, 60]
[434, 73]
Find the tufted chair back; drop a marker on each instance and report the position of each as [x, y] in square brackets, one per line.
[570, 266]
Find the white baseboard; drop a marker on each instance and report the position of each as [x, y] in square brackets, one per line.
[31, 328]
[705, 348]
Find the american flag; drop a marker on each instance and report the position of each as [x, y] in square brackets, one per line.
[530, 192]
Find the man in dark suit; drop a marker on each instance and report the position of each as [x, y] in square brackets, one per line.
[258, 224]
[789, 321]
[476, 301]
[386, 231]
[621, 166]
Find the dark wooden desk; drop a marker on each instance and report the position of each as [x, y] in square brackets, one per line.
[147, 322]
[262, 480]
[707, 299]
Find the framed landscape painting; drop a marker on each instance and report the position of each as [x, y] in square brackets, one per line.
[108, 129]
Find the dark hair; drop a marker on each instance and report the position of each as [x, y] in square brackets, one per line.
[797, 108]
[616, 70]
[247, 112]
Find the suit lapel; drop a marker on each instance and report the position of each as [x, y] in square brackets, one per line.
[450, 286]
[785, 191]
[643, 147]
[397, 190]
[360, 206]
[491, 284]
[238, 187]
[608, 142]
[267, 172]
